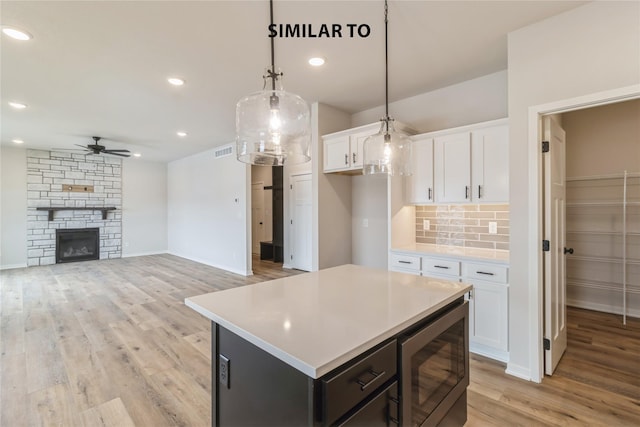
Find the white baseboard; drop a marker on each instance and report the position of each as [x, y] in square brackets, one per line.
[145, 253]
[606, 308]
[12, 266]
[210, 264]
[518, 371]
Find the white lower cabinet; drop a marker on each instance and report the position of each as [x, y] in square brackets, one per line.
[488, 319]
[488, 301]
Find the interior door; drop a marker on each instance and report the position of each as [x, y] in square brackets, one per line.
[555, 315]
[301, 217]
[257, 216]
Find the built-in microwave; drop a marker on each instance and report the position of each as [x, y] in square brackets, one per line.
[435, 371]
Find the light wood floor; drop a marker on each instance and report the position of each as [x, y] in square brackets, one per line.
[111, 343]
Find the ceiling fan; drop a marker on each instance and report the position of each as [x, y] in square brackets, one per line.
[96, 148]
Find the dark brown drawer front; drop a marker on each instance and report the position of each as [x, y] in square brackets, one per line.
[346, 389]
[380, 411]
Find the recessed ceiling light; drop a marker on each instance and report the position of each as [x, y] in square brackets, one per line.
[181, 133]
[17, 141]
[175, 81]
[14, 33]
[18, 105]
[137, 154]
[316, 61]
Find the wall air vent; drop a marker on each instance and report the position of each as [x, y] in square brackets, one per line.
[224, 151]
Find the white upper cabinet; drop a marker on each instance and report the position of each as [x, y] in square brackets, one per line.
[470, 164]
[490, 164]
[343, 151]
[419, 186]
[452, 168]
[336, 153]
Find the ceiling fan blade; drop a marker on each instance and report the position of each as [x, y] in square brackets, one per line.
[83, 146]
[115, 154]
[67, 149]
[116, 151]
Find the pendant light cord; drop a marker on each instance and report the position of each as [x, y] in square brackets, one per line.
[272, 73]
[386, 65]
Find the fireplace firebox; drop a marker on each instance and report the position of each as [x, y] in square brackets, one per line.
[77, 244]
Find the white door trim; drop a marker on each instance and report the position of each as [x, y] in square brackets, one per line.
[536, 285]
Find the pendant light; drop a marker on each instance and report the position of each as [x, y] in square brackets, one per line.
[273, 127]
[388, 151]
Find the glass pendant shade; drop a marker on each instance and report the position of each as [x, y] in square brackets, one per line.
[387, 152]
[273, 127]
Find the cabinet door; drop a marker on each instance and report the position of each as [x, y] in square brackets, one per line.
[336, 153]
[488, 314]
[452, 167]
[356, 155]
[419, 186]
[490, 164]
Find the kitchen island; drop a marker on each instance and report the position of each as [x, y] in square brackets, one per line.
[332, 347]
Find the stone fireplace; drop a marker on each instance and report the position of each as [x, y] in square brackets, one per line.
[77, 244]
[84, 192]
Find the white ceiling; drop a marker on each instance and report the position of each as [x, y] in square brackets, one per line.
[100, 67]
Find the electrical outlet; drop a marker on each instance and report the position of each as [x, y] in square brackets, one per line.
[426, 224]
[493, 227]
[223, 371]
[365, 222]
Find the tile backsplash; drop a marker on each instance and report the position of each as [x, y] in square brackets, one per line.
[463, 225]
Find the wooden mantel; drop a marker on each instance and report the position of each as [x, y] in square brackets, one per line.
[104, 210]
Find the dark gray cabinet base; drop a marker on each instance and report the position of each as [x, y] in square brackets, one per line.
[253, 388]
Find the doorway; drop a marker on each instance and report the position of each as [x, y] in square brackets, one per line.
[258, 227]
[598, 253]
[267, 222]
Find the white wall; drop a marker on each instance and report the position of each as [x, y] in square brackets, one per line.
[472, 101]
[208, 202]
[13, 207]
[369, 204]
[144, 207]
[332, 196]
[590, 49]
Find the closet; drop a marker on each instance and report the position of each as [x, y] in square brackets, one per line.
[603, 228]
[603, 208]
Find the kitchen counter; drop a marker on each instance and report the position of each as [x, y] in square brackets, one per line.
[496, 255]
[317, 321]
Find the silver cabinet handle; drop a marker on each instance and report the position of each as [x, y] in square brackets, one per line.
[466, 192]
[479, 195]
[354, 157]
[441, 266]
[346, 159]
[405, 262]
[485, 273]
[430, 193]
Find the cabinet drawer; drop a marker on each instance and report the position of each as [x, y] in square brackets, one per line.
[348, 387]
[405, 262]
[488, 272]
[378, 411]
[440, 266]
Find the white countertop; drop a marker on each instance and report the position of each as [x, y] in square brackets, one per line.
[498, 255]
[317, 321]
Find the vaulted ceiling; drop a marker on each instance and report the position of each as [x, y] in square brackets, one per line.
[101, 67]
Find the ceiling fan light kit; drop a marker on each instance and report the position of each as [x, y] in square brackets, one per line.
[273, 127]
[388, 151]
